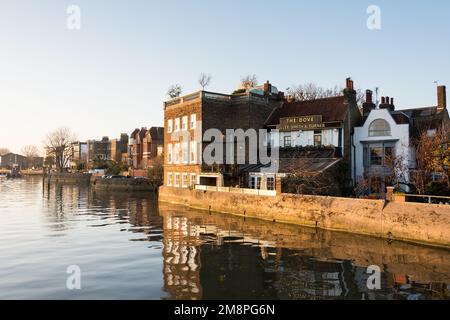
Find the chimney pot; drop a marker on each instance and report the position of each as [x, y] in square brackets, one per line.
[383, 100]
[392, 101]
[387, 100]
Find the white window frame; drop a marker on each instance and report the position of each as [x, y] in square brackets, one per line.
[185, 152]
[177, 125]
[184, 123]
[193, 152]
[169, 179]
[193, 124]
[176, 153]
[184, 180]
[169, 153]
[193, 180]
[177, 180]
[169, 126]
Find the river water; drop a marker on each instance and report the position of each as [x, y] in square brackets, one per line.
[129, 246]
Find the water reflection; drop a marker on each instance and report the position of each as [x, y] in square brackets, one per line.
[135, 247]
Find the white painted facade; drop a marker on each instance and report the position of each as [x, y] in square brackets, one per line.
[303, 138]
[368, 142]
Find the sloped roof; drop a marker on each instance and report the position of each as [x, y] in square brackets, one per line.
[332, 109]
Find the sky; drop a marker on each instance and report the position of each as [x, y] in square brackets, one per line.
[112, 74]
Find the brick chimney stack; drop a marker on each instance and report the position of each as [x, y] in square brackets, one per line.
[442, 98]
[387, 103]
[349, 84]
[369, 96]
[368, 105]
[267, 88]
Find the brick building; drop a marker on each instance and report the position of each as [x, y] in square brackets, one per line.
[186, 120]
[144, 146]
[106, 149]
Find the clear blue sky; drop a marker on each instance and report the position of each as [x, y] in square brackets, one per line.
[112, 75]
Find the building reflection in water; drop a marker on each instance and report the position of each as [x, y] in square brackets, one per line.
[218, 256]
[226, 257]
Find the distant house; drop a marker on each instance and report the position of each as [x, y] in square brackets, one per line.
[13, 160]
[144, 146]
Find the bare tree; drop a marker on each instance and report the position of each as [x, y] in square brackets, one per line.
[174, 91]
[58, 145]
[249, 81]
[204, 80]
[31, 153]
[4, 151]
[311, 91]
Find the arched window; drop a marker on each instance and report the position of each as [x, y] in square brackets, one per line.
[379, 127]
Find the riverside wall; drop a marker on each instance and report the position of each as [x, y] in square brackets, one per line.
[414, 222]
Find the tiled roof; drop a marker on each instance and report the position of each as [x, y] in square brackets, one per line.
[331, 109]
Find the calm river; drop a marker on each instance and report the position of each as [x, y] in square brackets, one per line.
[132, 247]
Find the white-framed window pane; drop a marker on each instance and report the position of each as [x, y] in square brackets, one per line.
[185, 123]
[177, 124]
[193, 179]
[193, 121]
[169, 125]
[169, 153]
[169, 179]
[184, 152]
[184, 182]
[177, 179]
[193, 152]
[176, 153]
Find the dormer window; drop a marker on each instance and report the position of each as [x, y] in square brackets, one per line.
[379, 128]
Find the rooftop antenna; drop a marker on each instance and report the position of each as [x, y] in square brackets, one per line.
[377, 102]
[436, 82]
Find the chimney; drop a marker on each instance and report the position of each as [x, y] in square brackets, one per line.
[442, 98]
[383, 100]
[267, 87]
[368, 106]
[369, 95]
[392, 101]
[349, 84]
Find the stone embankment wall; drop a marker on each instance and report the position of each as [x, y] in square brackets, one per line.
[70, 177]
[421, 223]
[128, 184]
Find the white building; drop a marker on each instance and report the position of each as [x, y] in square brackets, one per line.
[383, 153]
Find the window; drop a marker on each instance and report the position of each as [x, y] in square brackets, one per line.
[270, 183]
[193, 121]
[431, 132]
[176, 151]
[177, 179]
[184, 123]
[184, 152]
[177, 124]
[379, 128]
[169, 153]
[255, 182]
[184, 182]
[193, 152]
[317, 138]
[193, 179]
[376, 156]
[169, 179]
[287, 141]
[169, 125]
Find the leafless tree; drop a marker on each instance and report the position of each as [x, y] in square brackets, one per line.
[249, 81]
[204, 80]
[311, 91]
[31, 153]
[58, 145]
[4, 151]
[174, 91]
